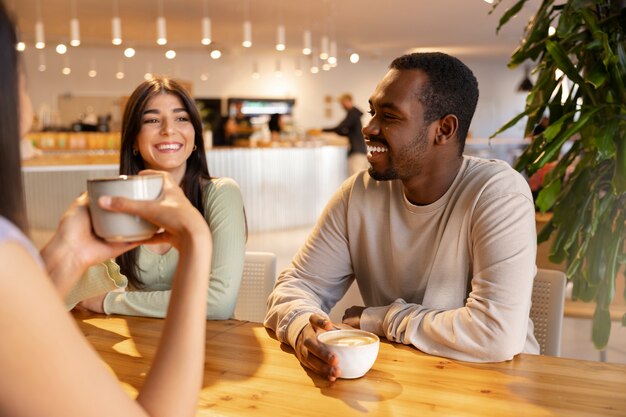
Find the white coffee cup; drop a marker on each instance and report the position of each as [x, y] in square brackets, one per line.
[355, 349]
[122, 227]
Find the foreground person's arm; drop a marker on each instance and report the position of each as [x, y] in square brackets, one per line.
[56, 361]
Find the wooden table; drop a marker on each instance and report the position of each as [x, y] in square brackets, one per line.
[249, 373]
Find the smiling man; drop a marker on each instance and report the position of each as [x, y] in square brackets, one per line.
[442, 245]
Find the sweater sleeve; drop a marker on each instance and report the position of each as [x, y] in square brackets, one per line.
[318, 276]
[224, 214]
[493, 324]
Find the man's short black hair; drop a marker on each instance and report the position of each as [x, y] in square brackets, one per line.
[451, 88]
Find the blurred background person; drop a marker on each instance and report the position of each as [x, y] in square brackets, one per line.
[275, 124]
[351, 127]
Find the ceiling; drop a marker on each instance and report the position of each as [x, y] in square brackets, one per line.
[369, 27]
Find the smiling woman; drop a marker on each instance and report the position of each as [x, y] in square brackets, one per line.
[162, 130]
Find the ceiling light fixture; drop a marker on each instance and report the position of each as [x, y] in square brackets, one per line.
[148, 75]
[354, 57]
[170, 54]
[116, 25]
[74, 32]
[255, 70]
[92, 71]
[74, 26]
[278, 73]
[40, 39]
[206, 31]
[324, 48]
[280, 38]
[129, 52]
[61, 49]
[42, 62]
[120, 71]
[19, 45]
[66, 70]
[206, 25]
[332, 56]
[116, 31]
[161, 26]
[161, 31]
[314, 65]
[247, 34]
[306, 42]
[298, 67]
[216, 54]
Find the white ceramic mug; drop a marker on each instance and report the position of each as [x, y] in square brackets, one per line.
[356, 350]
[122, 227]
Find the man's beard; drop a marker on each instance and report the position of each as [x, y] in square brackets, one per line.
[410, 160]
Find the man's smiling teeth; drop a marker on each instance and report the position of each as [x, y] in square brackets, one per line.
[169, 147]
[376, 149]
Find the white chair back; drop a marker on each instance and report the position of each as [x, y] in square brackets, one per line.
[546, 311]
[259, 273]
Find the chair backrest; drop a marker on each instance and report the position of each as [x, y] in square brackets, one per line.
[259, 273]
[546, 311]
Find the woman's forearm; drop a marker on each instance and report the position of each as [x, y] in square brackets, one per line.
[176, 374]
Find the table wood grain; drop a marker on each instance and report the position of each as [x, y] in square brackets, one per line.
[249, 373]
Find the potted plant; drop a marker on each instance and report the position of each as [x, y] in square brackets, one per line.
[580, 76]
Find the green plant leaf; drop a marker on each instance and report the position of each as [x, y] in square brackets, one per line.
[553, 147]
[545, 233]
[597, 75]
[619, 175]
[510, 13]
[601, 328]
[548, 195]
[554, 128]
[563, 62]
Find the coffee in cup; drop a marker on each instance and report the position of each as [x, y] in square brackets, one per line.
[355, 349]
[122, 227]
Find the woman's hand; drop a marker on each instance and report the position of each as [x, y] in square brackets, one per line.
[74, 247]
[172, 212]
[94, 304]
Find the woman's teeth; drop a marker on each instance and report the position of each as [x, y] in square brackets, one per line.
[169, 147]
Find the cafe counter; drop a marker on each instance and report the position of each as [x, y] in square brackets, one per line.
[282, 187]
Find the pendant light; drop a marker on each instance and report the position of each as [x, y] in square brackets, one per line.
[306, 42]
[161, 26]
[324, 48]
[280, 38]
[42, 62]
[206, 25]
[116, 25]
[247, 34]
[92, 73]
[332, 55]
[40, 38]
[74, 26]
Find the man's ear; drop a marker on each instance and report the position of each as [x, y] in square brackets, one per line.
[446, 131]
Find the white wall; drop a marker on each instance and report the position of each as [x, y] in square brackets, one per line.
[231, 76]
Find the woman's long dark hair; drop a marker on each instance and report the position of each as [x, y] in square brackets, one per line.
[12, 201]
[196, 172]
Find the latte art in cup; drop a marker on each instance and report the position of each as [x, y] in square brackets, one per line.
[350, 341]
